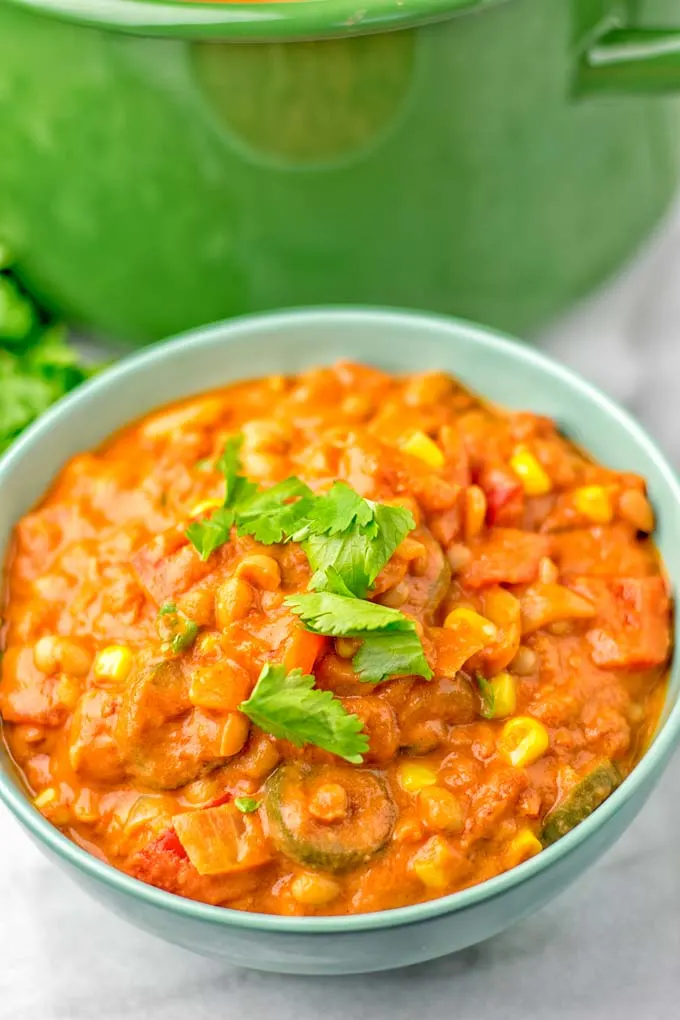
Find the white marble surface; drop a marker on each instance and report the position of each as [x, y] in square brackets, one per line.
[609, 949]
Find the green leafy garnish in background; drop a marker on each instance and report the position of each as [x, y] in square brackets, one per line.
[37, 365]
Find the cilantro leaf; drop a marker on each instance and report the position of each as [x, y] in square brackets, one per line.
[247, 804]
[185, 637]
[382, 656]
[354, 535]
[488, 696]
[33, 375]
[18, 316]
[343, 616]
[390, 643]
[347, 554]
[288, 706]
[339, 509]
[393, 524]
[331, 581]
[238, 487]
[209, 534]
[267, 515]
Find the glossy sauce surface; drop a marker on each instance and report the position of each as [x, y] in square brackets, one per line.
[539, 598]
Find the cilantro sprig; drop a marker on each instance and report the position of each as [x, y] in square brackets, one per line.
[290, 707]
[390, 642]
[209, 534]
[347, 540]
[266, 514]
[351, 536]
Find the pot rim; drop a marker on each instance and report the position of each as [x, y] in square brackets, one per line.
[239, 331]
[251, 21]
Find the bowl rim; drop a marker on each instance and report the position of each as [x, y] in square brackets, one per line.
[239, 330]
[243, 20]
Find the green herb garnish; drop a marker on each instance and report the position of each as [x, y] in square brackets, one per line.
[288, 706]
[352, 536]
[382, 656]
[37, 365]
[184, 638]
[247, 804]
[391, 645]
[177, 632]
[488, 696]
[238, 487]
[270, 517]
[347, 540]
[210, 533]
[266, 514]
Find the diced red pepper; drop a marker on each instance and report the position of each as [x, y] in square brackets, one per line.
[504, 495]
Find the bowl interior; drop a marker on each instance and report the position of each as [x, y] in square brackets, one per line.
[501, 370]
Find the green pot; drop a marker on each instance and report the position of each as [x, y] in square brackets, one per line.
[165, 164]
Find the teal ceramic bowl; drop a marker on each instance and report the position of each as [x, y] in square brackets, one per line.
[505, 372]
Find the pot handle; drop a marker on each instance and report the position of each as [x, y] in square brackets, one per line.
[631, 60]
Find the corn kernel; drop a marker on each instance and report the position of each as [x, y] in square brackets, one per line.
[46, 798]
[523, 741]
[418, 444]
[50, 804]
[205, 506]
[535, 480]
[504, 696]
[113, 663]
[313, 890]
[595, 503]
[413, 778]
[68, 692]
[525, 845]
[475, 621]
[435, 863]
